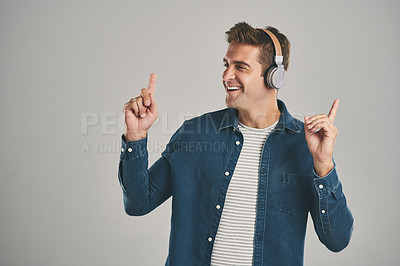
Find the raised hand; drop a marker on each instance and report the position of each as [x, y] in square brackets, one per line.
[321, 135]
[141, 112]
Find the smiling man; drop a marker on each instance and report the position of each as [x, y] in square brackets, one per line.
[246, 200]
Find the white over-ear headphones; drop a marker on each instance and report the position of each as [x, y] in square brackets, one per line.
[273, 76]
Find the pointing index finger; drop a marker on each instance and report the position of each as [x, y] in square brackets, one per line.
[152, 82]
[332, 112]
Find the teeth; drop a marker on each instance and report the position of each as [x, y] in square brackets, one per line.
[233, 88]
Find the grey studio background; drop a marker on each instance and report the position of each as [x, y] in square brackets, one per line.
[67, 68]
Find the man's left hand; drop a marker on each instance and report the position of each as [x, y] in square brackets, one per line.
[320, 135]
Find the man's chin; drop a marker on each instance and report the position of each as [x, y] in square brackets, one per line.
[232, 102]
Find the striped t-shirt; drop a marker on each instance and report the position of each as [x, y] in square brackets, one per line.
[234, 241]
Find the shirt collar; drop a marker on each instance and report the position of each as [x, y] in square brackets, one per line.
[285, 120]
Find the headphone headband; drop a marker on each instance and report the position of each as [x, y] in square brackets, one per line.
[273, 76]
[277, 45]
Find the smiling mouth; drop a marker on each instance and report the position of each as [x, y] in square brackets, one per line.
[232, 88]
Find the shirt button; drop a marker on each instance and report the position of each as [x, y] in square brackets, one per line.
[321, 186]
[209, 239]
[237, 142]
[122, 149]
[323, 211]
[129, 149]
[226, 173]
[218, 207]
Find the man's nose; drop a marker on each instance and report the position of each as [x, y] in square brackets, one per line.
[228, 74]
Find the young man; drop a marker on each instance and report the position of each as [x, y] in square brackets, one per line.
[242, 179]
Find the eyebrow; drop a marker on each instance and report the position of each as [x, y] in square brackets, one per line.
[237, 62]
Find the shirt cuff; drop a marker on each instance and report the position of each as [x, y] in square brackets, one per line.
[133, 149]
[328, 183]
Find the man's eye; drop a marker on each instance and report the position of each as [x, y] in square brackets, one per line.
[226, 65]
[240, 67]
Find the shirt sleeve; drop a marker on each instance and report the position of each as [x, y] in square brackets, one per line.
[145, 189]
[332, 218]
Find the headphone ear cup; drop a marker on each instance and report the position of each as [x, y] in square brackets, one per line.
[273, 77]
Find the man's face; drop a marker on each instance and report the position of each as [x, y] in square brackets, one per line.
[242, 78]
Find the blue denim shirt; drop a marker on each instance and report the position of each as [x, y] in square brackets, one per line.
[195, 169]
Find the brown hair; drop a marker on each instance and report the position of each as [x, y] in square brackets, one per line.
[242, 32]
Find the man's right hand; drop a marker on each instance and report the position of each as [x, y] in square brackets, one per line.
[141, 112]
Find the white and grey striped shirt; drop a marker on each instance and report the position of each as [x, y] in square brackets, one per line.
[234, 241]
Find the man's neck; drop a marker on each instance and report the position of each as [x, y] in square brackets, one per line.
[262, 117]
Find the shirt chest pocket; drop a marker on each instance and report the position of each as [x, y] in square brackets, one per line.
[296, 194]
